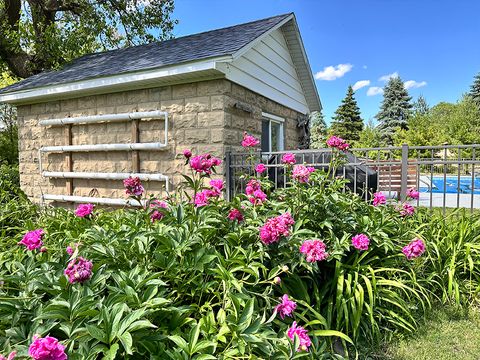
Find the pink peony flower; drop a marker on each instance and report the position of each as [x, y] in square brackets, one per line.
[286, 307]
[201, 198]
[407, 210]
[187, 153]
[33, 239]
[235, 214]
[157, 215]
[133, 186]
[47, 348]
[78, 270]
[254, 192]
[258, 197]
[84, 210]
[314, 250]
[249, 140]
[288, 159]
[260, 168]
[379, 199]
[302, 334]
[204, 163]
[252, 186]
[337, 142]
[361, 242]
[301, 173]
[414, 249]
[412, 193]
[217, 185]
[11, 356]
[276, 227]
[69, 250]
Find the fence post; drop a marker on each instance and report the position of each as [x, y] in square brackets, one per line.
[228, 175]
[404, 173]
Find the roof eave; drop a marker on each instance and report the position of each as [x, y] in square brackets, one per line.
[174, 74]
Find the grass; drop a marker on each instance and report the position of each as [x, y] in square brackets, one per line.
[446, 334]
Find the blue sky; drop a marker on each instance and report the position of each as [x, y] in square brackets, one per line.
[435, 43]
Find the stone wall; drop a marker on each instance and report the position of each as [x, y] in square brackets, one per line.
[202, 117]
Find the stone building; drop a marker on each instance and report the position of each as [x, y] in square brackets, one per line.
[106, 116]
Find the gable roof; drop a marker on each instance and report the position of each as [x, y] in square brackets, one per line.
[191, 52]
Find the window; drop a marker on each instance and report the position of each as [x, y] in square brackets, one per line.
[272, 133]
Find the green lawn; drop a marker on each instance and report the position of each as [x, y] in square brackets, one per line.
[446, 335]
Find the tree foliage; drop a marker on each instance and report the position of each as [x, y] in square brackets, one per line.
[8, 126]
[347, 122]
[318, 130]
[444, 123]
[38, 35]
[475, 90]
[395, 108]
[371, 136]
[420, 106]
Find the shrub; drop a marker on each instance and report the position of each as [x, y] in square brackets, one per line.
[276, 277]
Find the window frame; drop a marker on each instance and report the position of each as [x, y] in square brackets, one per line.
[271, 118]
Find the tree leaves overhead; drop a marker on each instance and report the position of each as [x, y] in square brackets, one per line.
[347, 122]
[38, 35]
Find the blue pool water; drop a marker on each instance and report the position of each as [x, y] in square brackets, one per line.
[453, 185]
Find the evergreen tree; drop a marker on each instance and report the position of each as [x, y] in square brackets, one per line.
[318, 130]
[475, 90]
[420, 107]
[395, 108]
[347, 122]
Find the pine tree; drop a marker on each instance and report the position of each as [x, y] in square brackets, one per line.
[347, 122]
[420, 107]
[318, 130]
[395, 108]
[475, 90]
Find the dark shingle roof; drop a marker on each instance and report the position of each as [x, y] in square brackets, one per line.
[204, 45]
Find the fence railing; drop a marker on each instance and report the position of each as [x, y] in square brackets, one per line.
[447, 176]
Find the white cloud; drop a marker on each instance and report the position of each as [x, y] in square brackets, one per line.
[410, 84]
[388, 76]
[374, 90]
[333, 72]
[360, 84]
[365, 66]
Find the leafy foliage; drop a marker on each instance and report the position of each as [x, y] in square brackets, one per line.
[196, 285]
[452, 123]
[8, 135]
[37, 35]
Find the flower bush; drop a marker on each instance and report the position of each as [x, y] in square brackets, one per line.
[204, 282]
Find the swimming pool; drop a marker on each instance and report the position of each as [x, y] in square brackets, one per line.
[453, 186]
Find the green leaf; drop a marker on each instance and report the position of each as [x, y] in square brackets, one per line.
[97, 333]
[332, 333]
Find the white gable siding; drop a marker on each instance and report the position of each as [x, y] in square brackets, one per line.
[268, 69]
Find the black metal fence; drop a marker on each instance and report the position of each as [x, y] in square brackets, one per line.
[447, 176]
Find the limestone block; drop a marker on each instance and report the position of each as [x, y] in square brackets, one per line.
[211, 119]
[197, 104]
[184, 90]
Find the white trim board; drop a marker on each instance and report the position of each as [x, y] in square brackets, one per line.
[80, 87]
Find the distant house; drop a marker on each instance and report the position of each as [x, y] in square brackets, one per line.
[109, 115]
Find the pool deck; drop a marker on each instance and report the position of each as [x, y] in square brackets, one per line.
[451, 200]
